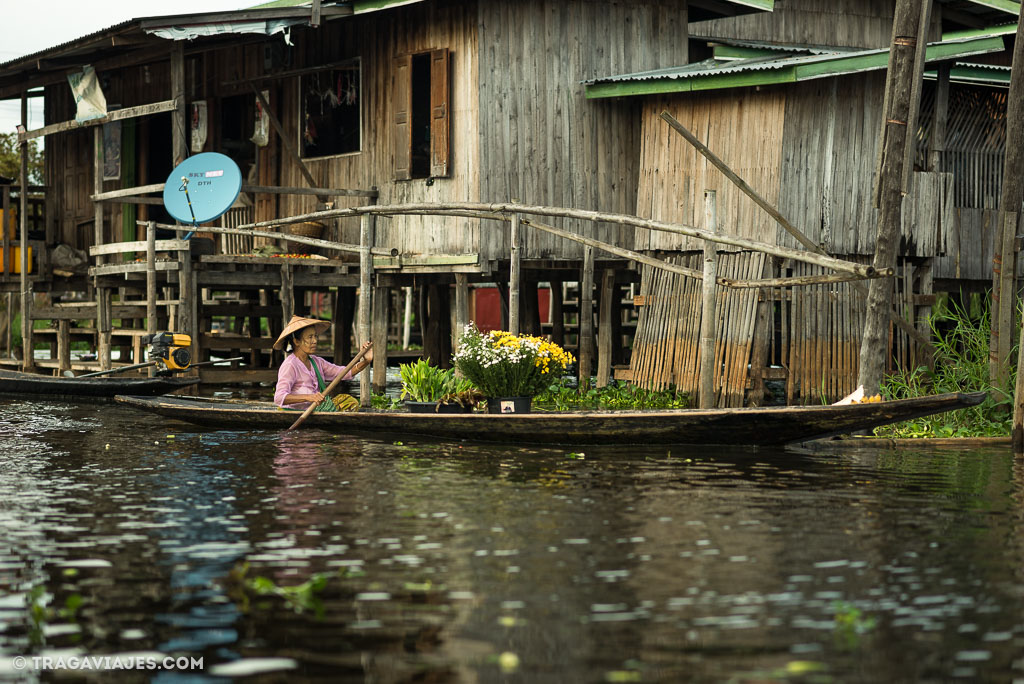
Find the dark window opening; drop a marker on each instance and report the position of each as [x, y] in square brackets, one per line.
[420, 111]
[237, 123]
[330, 111]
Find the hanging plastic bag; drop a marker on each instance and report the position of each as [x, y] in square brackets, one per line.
[261, 127]
[89, 98]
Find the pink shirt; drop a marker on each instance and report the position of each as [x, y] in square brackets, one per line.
[294, 378]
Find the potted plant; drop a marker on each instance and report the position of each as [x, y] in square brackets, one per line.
[509, 369]
[432, 389]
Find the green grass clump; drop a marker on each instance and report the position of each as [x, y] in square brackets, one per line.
[960, 365]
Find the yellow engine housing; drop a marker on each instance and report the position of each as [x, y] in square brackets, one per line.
[170, 351]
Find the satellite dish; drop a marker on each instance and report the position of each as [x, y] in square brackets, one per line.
[202, 188]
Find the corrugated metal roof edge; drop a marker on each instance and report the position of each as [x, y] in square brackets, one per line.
[735, 71]
[359, 6]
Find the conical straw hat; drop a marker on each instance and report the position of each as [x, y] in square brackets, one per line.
[298, 323]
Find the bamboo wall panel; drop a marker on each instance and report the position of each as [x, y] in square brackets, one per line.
[743, 128]
[838, 23]
[667, 342]
[542, 142]
[822, 327]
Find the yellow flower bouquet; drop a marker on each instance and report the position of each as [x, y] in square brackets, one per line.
[501, 364]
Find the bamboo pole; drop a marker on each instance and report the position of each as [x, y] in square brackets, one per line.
[708, 319]
[1014, 169]
[315, 242]
[874, 349]
[496, 210]
[366, 229]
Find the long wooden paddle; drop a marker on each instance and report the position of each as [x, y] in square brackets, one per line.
[334, 383]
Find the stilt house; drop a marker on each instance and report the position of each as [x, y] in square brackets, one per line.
[792, 102]
[330, 105]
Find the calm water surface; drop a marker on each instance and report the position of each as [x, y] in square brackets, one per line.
[125, 533]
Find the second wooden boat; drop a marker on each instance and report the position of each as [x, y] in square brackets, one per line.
[16, 383]
[762, 426]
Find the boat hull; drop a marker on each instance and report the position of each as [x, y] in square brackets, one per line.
[14, 383]
[764, 426]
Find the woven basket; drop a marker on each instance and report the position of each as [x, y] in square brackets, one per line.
[311, 229]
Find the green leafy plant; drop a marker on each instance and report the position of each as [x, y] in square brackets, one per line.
[426, 383]
[501, 364]
[960, 365]
[384, 402]
[564, 395]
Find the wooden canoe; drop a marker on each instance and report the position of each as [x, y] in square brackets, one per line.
[764, 426]
[15, 383]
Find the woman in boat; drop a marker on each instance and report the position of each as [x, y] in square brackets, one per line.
[304, 376]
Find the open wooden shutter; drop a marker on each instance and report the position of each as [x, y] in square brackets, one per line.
[402, 101]
[439, 126]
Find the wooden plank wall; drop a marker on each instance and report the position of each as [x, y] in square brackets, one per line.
[377, 39]
[667, 342]
[744, 128]
[541, 141]
[837, 23]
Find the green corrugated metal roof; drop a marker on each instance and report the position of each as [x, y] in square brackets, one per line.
[714, 75]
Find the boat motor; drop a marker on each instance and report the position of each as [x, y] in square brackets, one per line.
[169, 350]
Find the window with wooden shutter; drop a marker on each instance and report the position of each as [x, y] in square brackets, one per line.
[439, 112]
[402, 99]
[422, 120]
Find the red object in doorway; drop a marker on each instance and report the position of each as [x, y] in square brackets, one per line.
[485, 308]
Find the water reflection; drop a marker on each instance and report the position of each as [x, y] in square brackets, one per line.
[320, 556]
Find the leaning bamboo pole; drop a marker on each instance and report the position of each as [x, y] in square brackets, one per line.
[315, 242]
[443, 208]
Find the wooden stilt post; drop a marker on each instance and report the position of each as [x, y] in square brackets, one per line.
[604, 328]
[515, 278]
[179, 149]
[381, 316]
[287, 293]
[708, 316]
[63, 346]
[407, 318]
[586, 318]
[461, 307]
[344, 309]
[557, 313]
[28, 359]
[874, 350]
[10, 322]
[1013, 189]
[103, 325]
[366, 228]
[188, 320]
[150, 286]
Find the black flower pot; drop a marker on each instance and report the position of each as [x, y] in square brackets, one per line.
[508, 405]
[435, 407]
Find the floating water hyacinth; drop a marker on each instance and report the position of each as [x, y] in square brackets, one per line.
[501, 364]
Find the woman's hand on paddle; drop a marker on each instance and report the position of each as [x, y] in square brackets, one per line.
[315, 398]
[369, 355]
